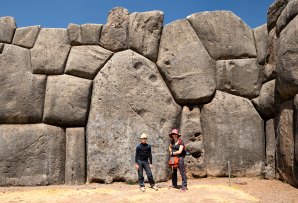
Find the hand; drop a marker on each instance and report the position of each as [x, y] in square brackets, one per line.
[137, 166]
[150, 165]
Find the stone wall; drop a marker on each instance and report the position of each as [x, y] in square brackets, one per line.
[73, 102]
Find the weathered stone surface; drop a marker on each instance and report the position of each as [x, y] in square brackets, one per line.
[296, 140]
[49, 54]
[90, 33]
[265, 103]
[233, 131]
[240, 77]
[288, 13]
[1, 47]
[285, 143]
[144, 33]
[261, 39]
[287, 61]
[114, 34]
[67, 100]
[190, 124]
[224, 35]
[270, 150]
[75, 156]
[7, 29]
[86, 61]
[74, 34]
[26, 36]
[190, 129]
[21, 92]
[129, 97]
[274, 12]
[186, 65]
[31, 155]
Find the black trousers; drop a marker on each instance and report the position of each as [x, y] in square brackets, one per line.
[145, 165]
[181, 168]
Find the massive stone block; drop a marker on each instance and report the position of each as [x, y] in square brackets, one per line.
[266, 102]
[269, 170]
[233, 131]
[129, 97]
[224, 35]
[144, 33]
[75, 156]
[49, 54]
[7, 29]
[85, 61]
[274, 12]
[261, 38]
[84, 34]
[296, 140]
[191, 131]
[21, 92]
[288, 13]
[31, 155]
[285, 143]
[242, 77]
[287, 61]
[186, 65]
[26, 36]
[114, 34]
[67, 100]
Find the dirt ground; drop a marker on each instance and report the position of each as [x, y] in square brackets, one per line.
[200, 190]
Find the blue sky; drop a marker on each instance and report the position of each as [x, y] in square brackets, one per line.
[59, 13]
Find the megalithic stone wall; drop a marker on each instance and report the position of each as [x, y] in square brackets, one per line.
[73, 102]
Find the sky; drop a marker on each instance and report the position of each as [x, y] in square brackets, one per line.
[59, 13]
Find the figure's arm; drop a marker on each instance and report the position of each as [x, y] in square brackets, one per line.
[136, 158]
[179, 151]
[150, 155]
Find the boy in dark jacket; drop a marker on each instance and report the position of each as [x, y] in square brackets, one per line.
[143, 155]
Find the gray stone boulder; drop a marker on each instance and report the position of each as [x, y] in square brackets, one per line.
[274, 12]
[86, 61]
[26, 36]
[21, 92]
[285, 143]
[287, 61]
[114, 34]
[266, 102]
[269, 171]
[233, 131]
[144, 33]
[186, 65]
[288, 13]
[242, 77]
[261, 39]
[75, 156]
[190, 124]
[86, 34]
[224, 35]
[49, 54]
[31, 155]
[7, 29]
[129, 97]
[67, 100]
[296, 140]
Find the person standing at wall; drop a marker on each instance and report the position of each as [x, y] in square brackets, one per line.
[143, 160]
[177, 148]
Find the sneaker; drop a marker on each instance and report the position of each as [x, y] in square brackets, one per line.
[183, 189]
[142, 189]
[172, 187]
[154, 187]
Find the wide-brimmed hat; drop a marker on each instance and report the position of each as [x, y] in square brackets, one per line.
[143, 135]
[174, 131]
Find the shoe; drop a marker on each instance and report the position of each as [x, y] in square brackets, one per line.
[142, 189]
[183, 189]
[154, 187]
[172, 187]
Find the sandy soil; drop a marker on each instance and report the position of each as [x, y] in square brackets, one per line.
[200, 190]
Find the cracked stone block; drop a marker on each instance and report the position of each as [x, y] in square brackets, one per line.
[129, 97]
[26, 36]
[86, 61]
[67, 100]
[7, 29]
[31, 155]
